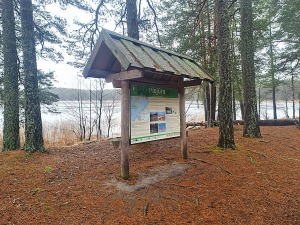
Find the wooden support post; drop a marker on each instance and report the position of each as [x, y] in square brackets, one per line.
[125, 130]
[183, 139]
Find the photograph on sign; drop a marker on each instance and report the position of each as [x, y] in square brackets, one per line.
[154, 113]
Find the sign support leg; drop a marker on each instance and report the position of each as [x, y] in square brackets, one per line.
[183, 139]
[125, 130]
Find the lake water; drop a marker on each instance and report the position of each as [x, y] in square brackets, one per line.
[68, 118]
[194, 112]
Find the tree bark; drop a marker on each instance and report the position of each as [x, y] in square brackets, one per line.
[251, 126]
[208, 104]
[273, 69]
[226, 133]
[33, 122]
[293, 95]
[299, 110]
[132, 20]
[11, 138]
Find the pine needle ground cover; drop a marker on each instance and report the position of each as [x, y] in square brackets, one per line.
[256, 184]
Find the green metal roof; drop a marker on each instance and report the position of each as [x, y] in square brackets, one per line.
[114, 52]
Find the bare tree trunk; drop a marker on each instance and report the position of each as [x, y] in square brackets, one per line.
[251, 125]
[242, 106]
[214, 66]
[213, 101]
[33, 121]
[259, 101]
[208, 105]
[90, 111]
[132, 19]
[226, 133]
[299, 110]
[293, 95]
[272, 73]
[233, 104]
[11, 137]
[99, 106]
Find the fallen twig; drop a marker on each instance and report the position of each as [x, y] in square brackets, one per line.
[258, 153]
[291, 159]
[207, 151]
[264, 141]
[209, 163]
[294, 148]
[146, 209]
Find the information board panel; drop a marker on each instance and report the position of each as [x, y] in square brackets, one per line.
[154, 113]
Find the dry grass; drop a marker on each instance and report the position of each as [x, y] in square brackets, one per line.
[54, 136]
[59, 135]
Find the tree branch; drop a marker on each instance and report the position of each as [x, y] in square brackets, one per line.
[155, 21]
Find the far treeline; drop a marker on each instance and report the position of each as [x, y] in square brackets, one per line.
[284, 93]
[72, 94]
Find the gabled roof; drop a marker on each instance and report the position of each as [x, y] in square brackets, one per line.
[114, 53]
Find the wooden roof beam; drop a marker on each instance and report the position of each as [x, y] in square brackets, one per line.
[125, 75]
[191, 83]
[157, 82]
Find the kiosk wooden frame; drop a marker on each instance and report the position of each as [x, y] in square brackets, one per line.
[124, 61]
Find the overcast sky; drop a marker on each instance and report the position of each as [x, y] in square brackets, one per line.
[66, 75]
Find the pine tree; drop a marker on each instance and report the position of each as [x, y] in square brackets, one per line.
[11, 139]
[226, 133]
[251, 125]
[33, 122]
[132, 20]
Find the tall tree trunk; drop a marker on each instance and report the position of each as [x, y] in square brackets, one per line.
[233, 104]
[208, 104]
[259, 101]
[213, 102]
[11, 137]
[251, 125]
[33, 122]
[90, 111]
[293, 95]
[226, 133]
[214, 66]
[272, 72]
[299, 110]
[132, 19]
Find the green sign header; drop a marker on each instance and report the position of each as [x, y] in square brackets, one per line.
[152, 91]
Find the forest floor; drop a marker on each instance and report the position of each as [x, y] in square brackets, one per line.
[259, 183]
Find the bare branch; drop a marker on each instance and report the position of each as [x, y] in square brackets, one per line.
[155, 21]
[231, 4]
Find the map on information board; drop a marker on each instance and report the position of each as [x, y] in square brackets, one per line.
[154, 113]
[139, 108]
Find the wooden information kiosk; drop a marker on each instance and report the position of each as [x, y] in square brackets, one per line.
[153, 84]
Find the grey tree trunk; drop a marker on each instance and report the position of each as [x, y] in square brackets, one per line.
[132, 20]
[251, 124]
[273, 69]
[299, 110]
[293, 95]
[226, 133]
[11, 138]
[33, 122]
